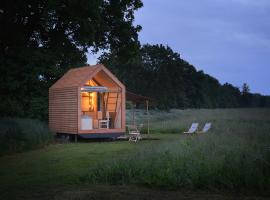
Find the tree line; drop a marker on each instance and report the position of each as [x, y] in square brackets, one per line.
[41, 40]
[159, 72]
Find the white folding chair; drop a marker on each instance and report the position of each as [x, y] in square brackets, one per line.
[206, 128]
[134, 133]
[193, 128]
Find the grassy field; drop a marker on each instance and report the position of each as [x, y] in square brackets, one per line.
[175, 120]
[232, 159]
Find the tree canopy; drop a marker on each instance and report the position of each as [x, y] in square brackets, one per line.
[40, 40]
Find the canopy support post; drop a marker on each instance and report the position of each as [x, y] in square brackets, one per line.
[147, 111]
[133, 115]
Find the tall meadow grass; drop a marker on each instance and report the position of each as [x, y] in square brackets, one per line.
[18, 134]
[234, 155]
[176, 121]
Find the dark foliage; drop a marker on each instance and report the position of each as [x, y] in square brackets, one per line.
[40, 40]
[22, 134]
[160, 73]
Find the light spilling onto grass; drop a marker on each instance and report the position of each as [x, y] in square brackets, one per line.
[235, 155]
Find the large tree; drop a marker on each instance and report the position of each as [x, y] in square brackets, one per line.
[41, 39]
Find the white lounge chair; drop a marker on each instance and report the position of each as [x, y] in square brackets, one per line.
[134, 133]
[206, 127]
[193, 128]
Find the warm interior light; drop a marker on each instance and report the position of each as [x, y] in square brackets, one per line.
[88, 101]
[91, 102]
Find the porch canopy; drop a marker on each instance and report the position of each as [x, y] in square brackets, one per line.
[140, 99]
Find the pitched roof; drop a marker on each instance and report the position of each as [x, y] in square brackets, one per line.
[77, 76]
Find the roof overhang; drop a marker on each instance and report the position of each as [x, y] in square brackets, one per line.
[94, 89]
[137, 98]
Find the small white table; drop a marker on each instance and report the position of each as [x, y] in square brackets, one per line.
[86, 122]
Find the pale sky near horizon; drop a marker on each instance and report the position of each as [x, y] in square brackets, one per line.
[228, 39]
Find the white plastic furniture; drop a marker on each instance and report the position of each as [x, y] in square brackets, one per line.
[193, 128]
[206, 128]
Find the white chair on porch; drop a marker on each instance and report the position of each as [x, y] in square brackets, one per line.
[103, 123]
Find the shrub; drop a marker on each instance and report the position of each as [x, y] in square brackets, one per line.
[18, 134]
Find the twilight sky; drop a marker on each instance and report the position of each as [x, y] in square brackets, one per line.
[228, 39]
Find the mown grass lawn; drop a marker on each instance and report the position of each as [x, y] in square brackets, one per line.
[60, 165]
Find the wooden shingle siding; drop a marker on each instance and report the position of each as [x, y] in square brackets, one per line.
[65, 99]
[63, 110]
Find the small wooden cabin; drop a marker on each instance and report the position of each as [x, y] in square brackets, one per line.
[88, 101]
